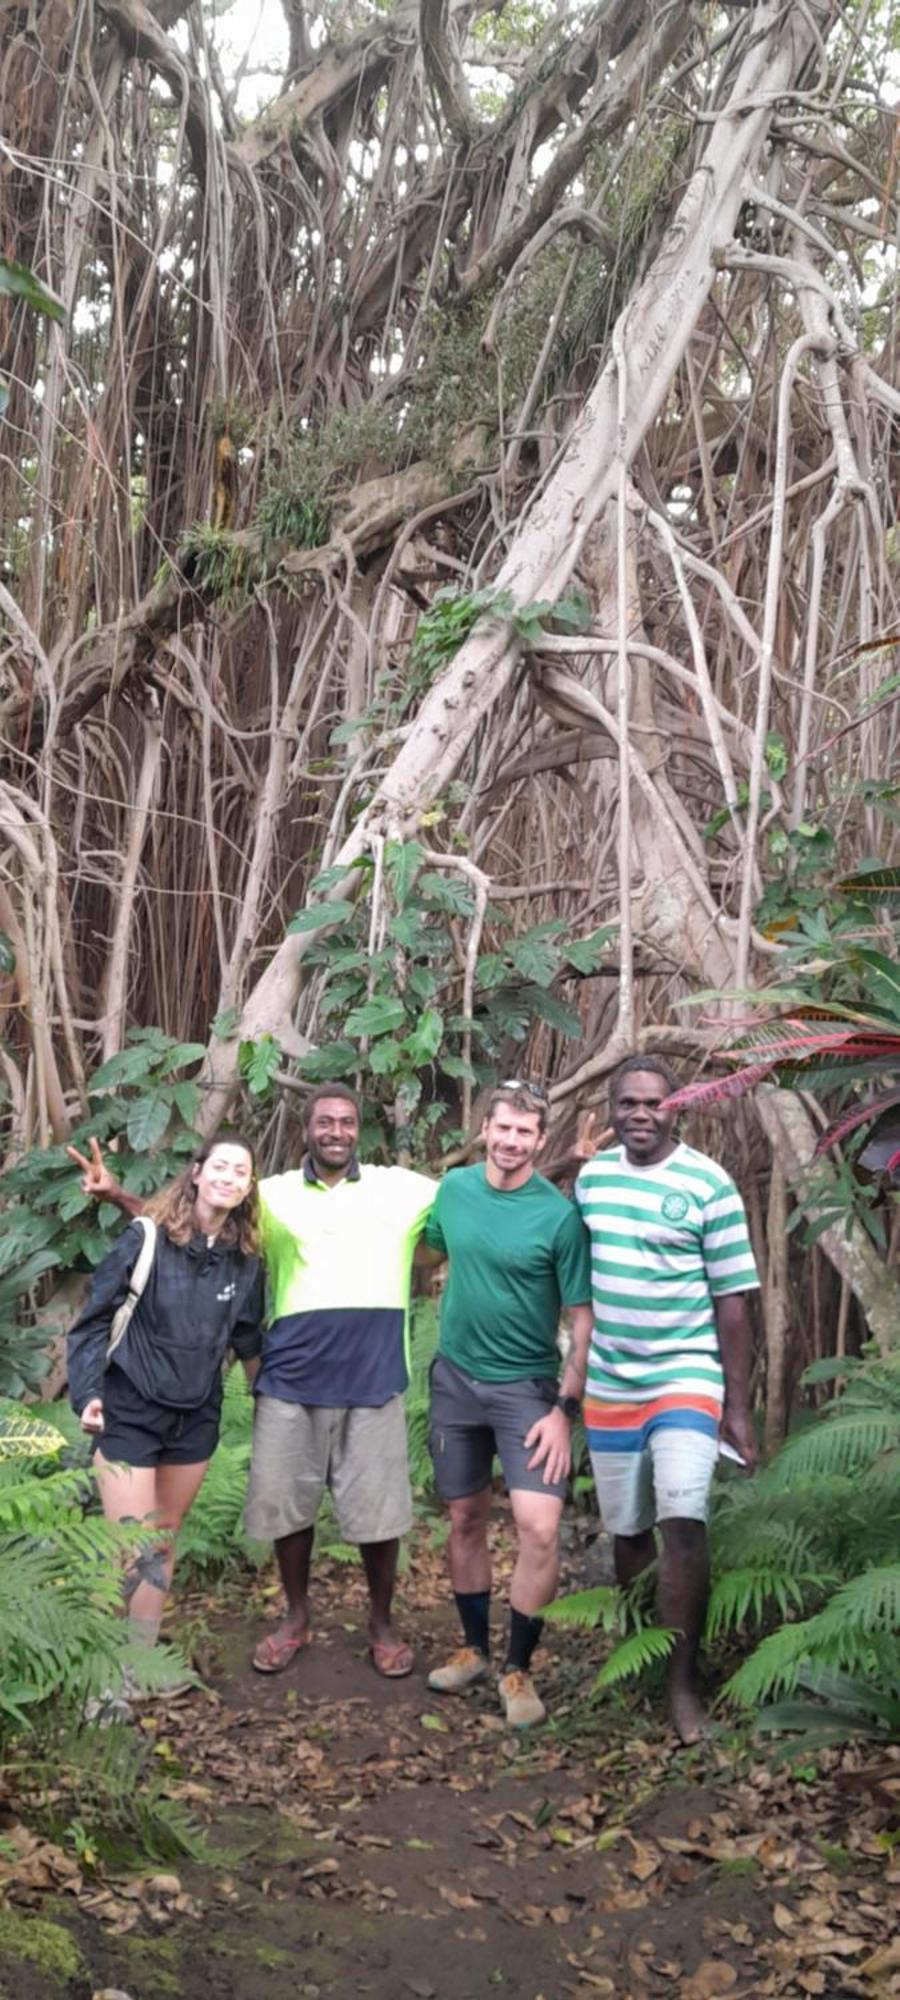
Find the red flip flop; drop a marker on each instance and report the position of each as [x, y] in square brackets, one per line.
[392, 1658]
[273, 1654]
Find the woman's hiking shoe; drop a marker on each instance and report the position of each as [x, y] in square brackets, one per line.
[109, 1706]
[461, 1671]
[522, 1705]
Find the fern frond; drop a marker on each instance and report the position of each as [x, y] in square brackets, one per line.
[584, 1609]
[742, 1595]
[773, 1667]
[845, 1444]
[864, 1606]
[635, 1654]
[211, 1535]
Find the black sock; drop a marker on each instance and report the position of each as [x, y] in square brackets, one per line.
[524, 1633]
[474, 1608]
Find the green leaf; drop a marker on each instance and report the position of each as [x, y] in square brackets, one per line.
[182, 1053]
[187, 1098]
[258, 1060]
[446, 892]
[585, 953]
[492, 969]
[385, 1057]
[147, 1121]
[549, 1008]
[776, 755]
[535, 956]
[336, 1059]
[226, 1024]
[27, 1274]
[20, 283]
[635, 1654]
[508, 1014]
[457, 1066]
[410, 930]
[586, 1608]
[329, 878]
[4, 394]
[403, 859]
[423, 982]
[74, 1203]
[344, 957]
[345, 731]
[380, 1016]
[341, 993]
[885, 976]
[872, 880]
[131, 1065]
[7, 952]
[423, 1044]
[318, 914]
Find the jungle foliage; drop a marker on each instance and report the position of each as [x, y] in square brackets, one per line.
[806, 1578]
[449, 603]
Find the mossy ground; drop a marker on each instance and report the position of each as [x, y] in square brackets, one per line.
[37, 1948]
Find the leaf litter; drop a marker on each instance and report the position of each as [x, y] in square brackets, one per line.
[593, 1857]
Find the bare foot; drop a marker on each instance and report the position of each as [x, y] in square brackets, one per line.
[689, 1718]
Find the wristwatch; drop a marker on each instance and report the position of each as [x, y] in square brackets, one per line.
[570, 1406]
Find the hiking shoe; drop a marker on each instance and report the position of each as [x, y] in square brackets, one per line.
[521, 1703]
[109, 1706]
[462, 1670]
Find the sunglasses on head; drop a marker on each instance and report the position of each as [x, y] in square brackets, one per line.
[522, 1083]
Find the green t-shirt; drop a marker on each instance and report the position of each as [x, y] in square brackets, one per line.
[516, 1258]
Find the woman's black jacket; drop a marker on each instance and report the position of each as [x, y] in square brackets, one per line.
[198, 1301]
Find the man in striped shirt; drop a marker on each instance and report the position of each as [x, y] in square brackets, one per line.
[669, 1364]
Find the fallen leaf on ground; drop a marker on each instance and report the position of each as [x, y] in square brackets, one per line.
[712, 1980]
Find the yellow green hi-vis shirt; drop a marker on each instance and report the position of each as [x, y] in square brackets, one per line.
[339, 1261]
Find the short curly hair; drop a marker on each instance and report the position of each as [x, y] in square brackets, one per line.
[657, 1066]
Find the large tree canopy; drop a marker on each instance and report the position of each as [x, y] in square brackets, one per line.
[591, 308]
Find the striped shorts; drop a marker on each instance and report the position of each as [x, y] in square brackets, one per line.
[653, 1461]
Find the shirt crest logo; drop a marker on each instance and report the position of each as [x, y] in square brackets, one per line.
[675, 1207]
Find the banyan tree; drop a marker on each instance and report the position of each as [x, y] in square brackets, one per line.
[473, 464]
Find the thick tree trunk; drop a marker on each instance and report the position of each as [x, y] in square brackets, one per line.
[648, 345]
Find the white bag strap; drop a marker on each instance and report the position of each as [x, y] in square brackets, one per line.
[136, 1285]
[138, 1280]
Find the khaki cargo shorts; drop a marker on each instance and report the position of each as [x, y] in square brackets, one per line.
[360, 1455]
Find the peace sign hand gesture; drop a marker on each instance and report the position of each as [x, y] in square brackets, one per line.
[96, 1178]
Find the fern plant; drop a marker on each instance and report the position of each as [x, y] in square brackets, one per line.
[62, 1639]
[622, 1615]
[806, 1573]
[814, 1540]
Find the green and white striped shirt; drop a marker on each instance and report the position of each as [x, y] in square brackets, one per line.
[666, 1241]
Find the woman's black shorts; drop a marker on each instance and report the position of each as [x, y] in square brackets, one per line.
[138, 1432]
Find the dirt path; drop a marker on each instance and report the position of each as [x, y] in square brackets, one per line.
[382, 1842]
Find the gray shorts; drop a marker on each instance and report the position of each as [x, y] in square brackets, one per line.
[471, 1421]
[360, 1455]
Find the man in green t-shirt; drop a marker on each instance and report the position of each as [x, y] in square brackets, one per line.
[518, 1253]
